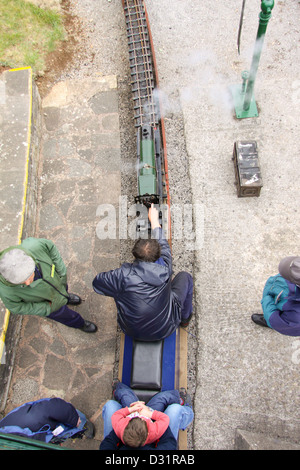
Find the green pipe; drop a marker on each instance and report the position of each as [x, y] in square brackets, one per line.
[264, 16]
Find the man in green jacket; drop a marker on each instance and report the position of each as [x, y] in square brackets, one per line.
[33, 281]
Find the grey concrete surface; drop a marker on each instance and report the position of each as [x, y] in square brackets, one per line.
[247, 377]
[15, 108]
[20, 135]
[246, 440]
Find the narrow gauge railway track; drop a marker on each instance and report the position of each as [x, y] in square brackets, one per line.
[141, 58]
[148, 119]
[169, 356]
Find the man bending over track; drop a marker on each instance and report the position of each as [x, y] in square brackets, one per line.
[150, 304]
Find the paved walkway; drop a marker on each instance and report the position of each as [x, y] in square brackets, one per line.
[81, 171]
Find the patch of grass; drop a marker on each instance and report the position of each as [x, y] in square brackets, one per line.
[27, 34]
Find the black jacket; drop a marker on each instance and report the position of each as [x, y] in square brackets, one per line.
[37, 414]
[148, 310]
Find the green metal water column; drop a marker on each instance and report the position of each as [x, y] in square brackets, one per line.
[243, 96]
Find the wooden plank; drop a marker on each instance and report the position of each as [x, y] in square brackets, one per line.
[121, 356]
[181, 375]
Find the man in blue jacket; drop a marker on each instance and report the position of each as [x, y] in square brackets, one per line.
[150, 304]
[281, 299]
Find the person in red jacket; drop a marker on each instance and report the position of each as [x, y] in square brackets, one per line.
[138, 425]
[175, 404]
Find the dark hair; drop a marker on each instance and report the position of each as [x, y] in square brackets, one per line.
[135, 433]
[146, 250]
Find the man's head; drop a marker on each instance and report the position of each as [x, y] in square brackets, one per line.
[146, 250]
[17, 267]
[135, 433]
[289, 268]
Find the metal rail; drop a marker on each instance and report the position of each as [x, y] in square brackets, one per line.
[146, 99]
[141, 63]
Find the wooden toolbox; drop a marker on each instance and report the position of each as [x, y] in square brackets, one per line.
[247, 170]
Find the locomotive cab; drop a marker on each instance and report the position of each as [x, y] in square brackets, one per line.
[149, 175]
[147, 178]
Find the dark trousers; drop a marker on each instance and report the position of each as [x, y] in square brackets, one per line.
[182, 286]
[68, 317]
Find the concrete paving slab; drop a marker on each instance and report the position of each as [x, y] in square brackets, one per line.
[246, 440]
[80, 127]
[16, 137]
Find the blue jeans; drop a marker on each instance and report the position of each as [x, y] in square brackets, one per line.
[167, 401]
